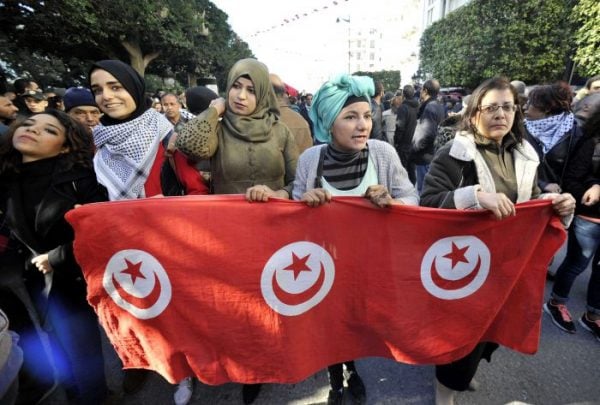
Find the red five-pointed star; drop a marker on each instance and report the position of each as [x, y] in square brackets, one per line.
[457, 254]
[133, 269]
[298, 265]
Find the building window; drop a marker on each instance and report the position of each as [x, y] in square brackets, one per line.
[371, 56]
[372, 43]
[429, 16]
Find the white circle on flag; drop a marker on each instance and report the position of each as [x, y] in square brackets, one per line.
[297, 277]
[138, 283]
[456, 260]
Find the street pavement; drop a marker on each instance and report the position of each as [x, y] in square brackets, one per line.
[566, 370]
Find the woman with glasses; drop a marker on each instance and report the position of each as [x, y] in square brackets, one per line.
[489, 165]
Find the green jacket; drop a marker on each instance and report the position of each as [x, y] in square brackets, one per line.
[235, 163]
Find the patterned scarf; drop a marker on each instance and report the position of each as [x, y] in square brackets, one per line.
[550, 130]
[126, 153]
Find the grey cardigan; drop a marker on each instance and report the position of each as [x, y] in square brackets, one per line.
[390, 172]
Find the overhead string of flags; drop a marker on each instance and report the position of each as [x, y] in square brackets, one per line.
[297, 17]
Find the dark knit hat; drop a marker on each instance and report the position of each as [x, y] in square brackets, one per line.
[77, 96]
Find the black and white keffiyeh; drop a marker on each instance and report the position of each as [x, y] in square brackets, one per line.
[125, 153]
[550, 130]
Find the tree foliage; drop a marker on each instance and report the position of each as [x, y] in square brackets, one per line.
[586, 15]
[390, 78]
[167, 37]
[525, 40]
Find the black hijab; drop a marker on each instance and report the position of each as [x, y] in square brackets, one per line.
[131, 81]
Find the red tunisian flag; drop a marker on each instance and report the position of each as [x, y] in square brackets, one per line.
[273, 292]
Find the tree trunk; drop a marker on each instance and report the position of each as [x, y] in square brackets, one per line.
[192, 79]
[137, 59]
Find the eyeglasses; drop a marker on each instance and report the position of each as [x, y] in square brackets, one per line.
[492, 108]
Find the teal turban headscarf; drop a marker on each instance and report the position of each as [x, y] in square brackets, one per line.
[329, 100]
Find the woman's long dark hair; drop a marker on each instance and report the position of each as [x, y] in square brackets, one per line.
[77, 139]
[495, 83]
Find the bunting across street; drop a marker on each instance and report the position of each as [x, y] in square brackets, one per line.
[226, 290]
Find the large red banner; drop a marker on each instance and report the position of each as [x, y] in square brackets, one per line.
[227, 290]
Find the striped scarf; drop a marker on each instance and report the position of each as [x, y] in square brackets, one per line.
[344, 170]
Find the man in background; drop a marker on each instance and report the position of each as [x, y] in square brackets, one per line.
[294, 121]
[81, 105]
[8, 113]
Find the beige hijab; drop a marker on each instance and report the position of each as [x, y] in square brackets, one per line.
[255, 127]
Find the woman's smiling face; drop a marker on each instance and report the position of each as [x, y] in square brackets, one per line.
[112, 98]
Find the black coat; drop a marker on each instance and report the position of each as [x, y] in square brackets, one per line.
[554, 162]
[52, 234]
[406, 122]
[583, 172]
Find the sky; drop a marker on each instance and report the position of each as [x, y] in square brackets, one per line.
[305, 50]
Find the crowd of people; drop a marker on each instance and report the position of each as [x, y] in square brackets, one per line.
[112, 141]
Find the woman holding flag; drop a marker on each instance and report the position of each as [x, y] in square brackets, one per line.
[489, 165]
[45, 170]
[250, 150]
[347, 163]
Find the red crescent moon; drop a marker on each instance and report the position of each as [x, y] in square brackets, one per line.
[141, 303]
[296, 299]
[454, 284]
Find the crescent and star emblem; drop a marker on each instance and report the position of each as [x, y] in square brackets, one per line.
[297, 277]
[138, 283]
[455, 267]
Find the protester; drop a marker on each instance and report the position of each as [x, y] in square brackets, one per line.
[377, 131]
[429, 116]
[171, 107]
[156, 104]
[11, 359]
[21, 86]
[81, 106]
[46, 170]
[37, 377]
[582, 179]
[130, 160]
[592, 86]
[349, 164]
[521, 89]
[406, 122]
[297, 125]
[303, 108]
[250, 150]
[391, 103]
[35, 101]
[552, 130]
[8, 113]
[198, 98]
[489, 165]
[584, 107]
